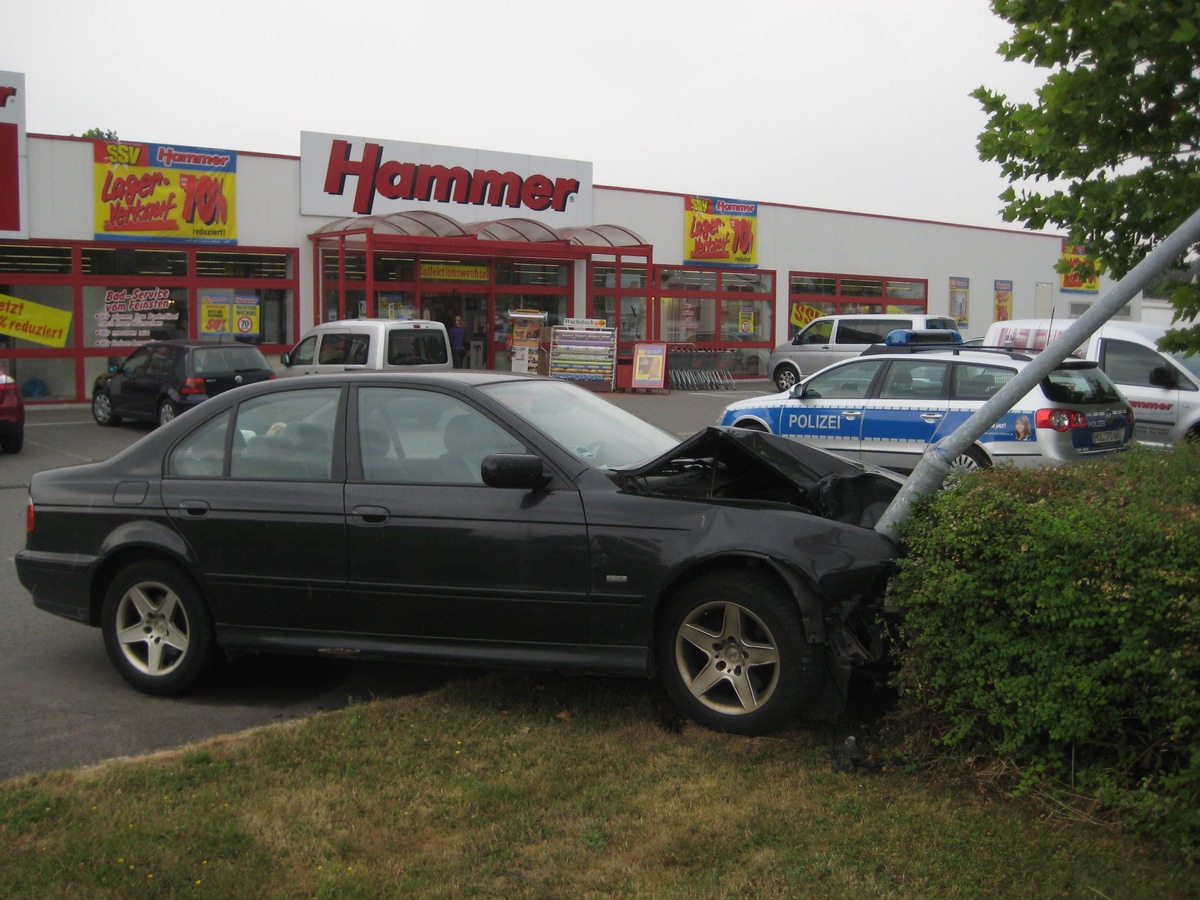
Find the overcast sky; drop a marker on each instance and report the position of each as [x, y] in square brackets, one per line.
[857, 105]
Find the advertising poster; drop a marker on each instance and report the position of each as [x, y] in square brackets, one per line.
[802, 314]
[1071, 281]
[526, 336]
[649, 366]
[14, 216]
[34, 322]
[720, 232]
[247, 319]
[1003, 293]
[960, 298]
[135, 315]
[164, 193]
[215, 312]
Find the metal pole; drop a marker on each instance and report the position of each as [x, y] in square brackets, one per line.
[931, 471]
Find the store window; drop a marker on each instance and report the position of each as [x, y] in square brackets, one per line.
[619, 298]
[820, 294]
[726, 310]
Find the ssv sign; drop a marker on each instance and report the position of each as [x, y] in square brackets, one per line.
[345, 176]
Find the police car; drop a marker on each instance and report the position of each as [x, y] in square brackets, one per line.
[888, 405]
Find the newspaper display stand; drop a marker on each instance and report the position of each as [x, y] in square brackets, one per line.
[584, 353]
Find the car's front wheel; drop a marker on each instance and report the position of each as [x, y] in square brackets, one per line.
[157, 630]
[166, 412]
[786, 378]
[102, 410]
[733, 655]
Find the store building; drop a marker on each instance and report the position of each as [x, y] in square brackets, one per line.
[105, 245]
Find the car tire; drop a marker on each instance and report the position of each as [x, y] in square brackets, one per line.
[752, 425]
[158, 631]
[13, 443]
[733, 655]
[166, 412]
[786, 378]
[102, 410]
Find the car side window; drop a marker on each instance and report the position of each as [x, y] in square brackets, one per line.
[849, 382]
[160, 361]
[135, 362]
[915, 380]
[334, 351]
[304, 352]
[424, 437]
[975, 382]
[816, 333]
[872, 331]
[202, 453]
[287, 435]
[1128, 363]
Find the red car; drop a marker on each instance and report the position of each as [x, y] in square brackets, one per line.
[12, 416]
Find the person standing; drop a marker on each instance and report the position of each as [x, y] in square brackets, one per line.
[458, 342]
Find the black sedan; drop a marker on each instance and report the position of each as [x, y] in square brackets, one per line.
[159, 380]
[477, 518]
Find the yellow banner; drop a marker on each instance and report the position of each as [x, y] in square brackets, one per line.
[34, 322]
[163, 192]
[453, 272]
[214, 316]
[720, 232]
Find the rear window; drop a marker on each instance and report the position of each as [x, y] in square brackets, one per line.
[1080, 386]
[231, 358]
[416, 348]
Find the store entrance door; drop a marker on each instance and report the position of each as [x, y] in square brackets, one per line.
[446, 306]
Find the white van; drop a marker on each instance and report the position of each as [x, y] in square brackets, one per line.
[382, 344]
[1163, 388]
[830, 339]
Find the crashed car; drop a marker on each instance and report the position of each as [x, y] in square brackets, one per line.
[477, 518]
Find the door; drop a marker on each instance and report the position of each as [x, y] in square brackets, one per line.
[829, 412]
[910, 406]
[436, 554]
[1139, 372]
[261, 511]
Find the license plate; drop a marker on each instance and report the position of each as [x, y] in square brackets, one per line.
[1106, 437]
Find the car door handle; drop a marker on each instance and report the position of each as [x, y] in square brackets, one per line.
[851, 413]
[930, 418]
[371, 515]
[197, 509]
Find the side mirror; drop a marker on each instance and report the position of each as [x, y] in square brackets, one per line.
[285, 359]
[1164, 377]
[514, 470]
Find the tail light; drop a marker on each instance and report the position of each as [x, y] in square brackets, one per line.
[29, 517]
[193, 386]
[1061, 419]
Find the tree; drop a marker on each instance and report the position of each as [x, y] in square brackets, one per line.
[101, 134]
[1115, 131]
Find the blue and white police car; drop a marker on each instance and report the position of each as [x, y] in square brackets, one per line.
[888, 405]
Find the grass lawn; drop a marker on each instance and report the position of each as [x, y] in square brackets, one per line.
[516, 785]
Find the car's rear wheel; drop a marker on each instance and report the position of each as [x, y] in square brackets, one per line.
[970, 460]
[786, 378]
[157, 630]
[102, 410]
[166, 412]
[12, 443]
[733, 655]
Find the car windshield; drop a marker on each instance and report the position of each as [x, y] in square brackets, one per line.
[582, 423]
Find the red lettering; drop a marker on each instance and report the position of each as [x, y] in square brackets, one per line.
[743, 236]
[131, 187]
[342, 167]
[439, 184]
[5, 94]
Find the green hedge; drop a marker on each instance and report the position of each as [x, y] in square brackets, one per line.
[1052, 620]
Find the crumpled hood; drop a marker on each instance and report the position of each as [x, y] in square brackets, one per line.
[840, 489]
